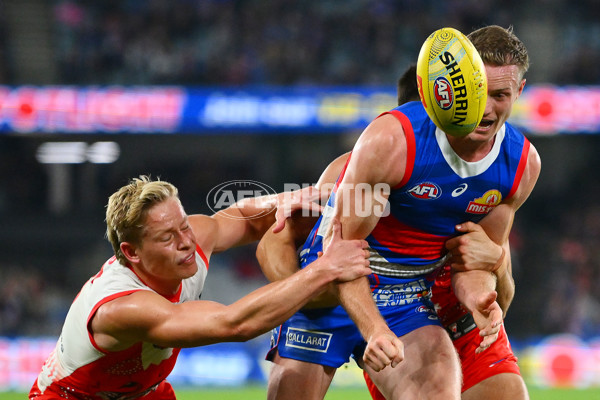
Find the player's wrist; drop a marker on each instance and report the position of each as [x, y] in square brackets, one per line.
[321, 272]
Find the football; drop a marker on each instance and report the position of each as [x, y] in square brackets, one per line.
[452, 82]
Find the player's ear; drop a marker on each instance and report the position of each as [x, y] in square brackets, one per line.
[130, 252]
[521, 86]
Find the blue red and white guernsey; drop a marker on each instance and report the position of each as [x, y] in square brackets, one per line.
[439, 191]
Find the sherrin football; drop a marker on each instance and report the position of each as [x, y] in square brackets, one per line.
[452, 82]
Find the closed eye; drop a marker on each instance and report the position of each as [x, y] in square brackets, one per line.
[165, 238]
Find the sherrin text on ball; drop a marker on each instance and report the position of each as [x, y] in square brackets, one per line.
[452, 82]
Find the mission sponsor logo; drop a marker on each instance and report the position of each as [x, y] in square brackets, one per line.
[485, 203]
[308, 340]
[426, 191]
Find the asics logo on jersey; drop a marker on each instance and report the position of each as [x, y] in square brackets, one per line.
[459, 190]
[426, 191]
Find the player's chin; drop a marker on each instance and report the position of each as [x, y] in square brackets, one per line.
[188, 270]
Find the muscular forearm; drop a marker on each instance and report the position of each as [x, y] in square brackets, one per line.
[357, 300]
[505, 284]
[470, 286]
[258, 213]
[474, 250]
[273, 304]
[276, 254]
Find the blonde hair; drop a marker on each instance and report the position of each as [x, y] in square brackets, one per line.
[127, 209]
[499, 46]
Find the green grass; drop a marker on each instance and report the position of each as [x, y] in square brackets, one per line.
[259, 392]
[360, 394]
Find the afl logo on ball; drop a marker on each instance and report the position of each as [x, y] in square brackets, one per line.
[228, 193]
[444, 94]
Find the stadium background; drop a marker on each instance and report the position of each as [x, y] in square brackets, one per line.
[223, 76]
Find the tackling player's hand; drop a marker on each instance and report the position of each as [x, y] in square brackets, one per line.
[306, 198]
[348, 259]
[473, 250]
[383, 349]
[488, 318]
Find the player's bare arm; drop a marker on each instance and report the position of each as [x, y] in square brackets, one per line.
[147, 316]
[238, 224]
[277, 252]
[383, 139]
[278, 258]
[471, 251]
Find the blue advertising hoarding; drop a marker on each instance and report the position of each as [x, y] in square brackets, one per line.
[542, 110]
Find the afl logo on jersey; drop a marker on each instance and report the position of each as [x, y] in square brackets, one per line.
[444, 95]
[426, 191]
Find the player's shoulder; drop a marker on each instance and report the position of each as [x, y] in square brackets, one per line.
[414, 116]
[515, 133]
[514, 138]
[206, 230]
[513, 130]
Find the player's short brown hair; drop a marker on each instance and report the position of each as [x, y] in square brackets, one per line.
[499, 46]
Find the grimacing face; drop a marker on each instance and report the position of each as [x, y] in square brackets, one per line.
[167, 253]
[505, 85]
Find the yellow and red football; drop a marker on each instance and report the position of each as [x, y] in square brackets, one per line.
[452, 81]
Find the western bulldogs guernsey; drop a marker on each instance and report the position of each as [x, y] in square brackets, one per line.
[439, 190]
[79, 369]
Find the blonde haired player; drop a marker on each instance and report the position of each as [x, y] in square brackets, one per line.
[438, 181]
[124, 330]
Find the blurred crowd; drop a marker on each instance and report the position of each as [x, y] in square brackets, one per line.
[31, 305]
[291, 42]
[4, 56]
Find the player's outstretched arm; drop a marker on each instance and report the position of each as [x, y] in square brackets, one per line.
[248, 219]
[276, 252]
[146, 316]
[277, 255]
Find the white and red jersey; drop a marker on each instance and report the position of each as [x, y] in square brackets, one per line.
[79, 369]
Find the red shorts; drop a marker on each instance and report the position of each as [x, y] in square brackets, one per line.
[164, 391]
[497, 359]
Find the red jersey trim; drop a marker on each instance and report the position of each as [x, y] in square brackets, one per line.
[411, 148]
[93, 312]
[342, 173]
[203, 256]
[520, 168]
[415, 242]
